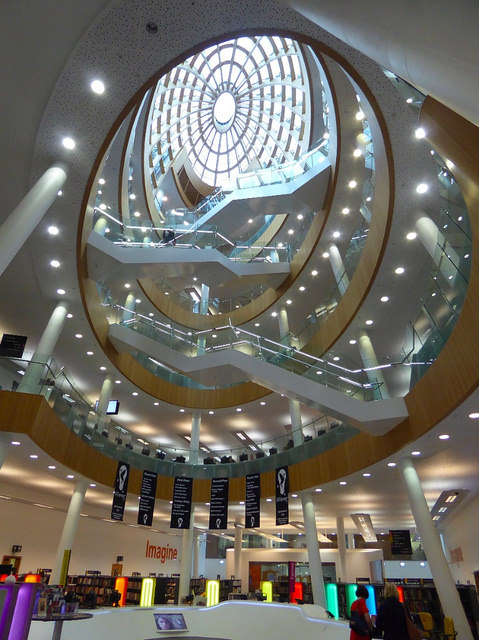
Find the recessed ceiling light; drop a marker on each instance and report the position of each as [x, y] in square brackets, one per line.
[103, 206]
[359, 115]
[290, 232]
[369, 322]
[60, 193]
[314, 272]
[92, 485]
[127, 285]
[415, 453]
[336, 358]
[69, 143]
[52, 467]
[262, 403]
[132, 196]
[15, 443]
[420, 133]
[318, 490]
[357, 153]
[336, 234]
[352, 184]
[474, 416]
[238, 409]
[409, 100]
[391, 464]
[102, 368]
[302, 288]
[61, 292]
[384, 298]
[345, 211]
[52, 230]
[274, 314]
[444, 436]
[367, 475]
[78, 336]
[294, 495]
[269, 499]
[399, 270]
[256, 324]
[70, 476]
[289, 302]
[211, 413]
[325, 255]
[342, 483]
[352, 341]
[54, 263]
[69, 315]
[101, 181]
[412, 235]
[89, 353]
[134, 393]
[319, 373]
[402, 564]
[300, 216]
[33, 456]
[422, 187]
[117, 381]
[97, 86]
[182, 410]
[422, 564]
[156, 404]
[250, 221]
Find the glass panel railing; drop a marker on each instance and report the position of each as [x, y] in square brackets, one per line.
[46, 377]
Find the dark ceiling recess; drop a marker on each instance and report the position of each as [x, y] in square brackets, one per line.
[152, 27]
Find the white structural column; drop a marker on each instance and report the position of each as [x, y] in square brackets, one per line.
[100, 226]
[339, 271]
[129, 307]
[314, 556]
[196, 555]
[237, 550]
[195, 437]
[443, 580]
[105, 397]
[341, 537]
[368, 356]
[294, 408]
[44, 350]
[4, 447]
[27, 214]
[186, 558]
[70, 527]
[445, 257]
[416, 40]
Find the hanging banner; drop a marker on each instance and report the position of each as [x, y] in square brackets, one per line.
[146, 504]
[282, 490]
[219, 503]
[252, 502]
[121, 489]
[12, 346]
[181, 507]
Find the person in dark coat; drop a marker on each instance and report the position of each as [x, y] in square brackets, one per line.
[391, 618]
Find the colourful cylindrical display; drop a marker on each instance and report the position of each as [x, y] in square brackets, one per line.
[147, 595]
[212, 592]
[266, 587]
[332, 601]
[121, 585]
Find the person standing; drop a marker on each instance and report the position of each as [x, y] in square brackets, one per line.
[362, 626]
[391, 618]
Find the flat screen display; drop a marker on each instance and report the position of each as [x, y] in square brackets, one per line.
[170, 622]
[112, 408]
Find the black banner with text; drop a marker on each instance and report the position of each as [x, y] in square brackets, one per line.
[147, 498]
[219, 503]
[121, 489]
[282, 490]
[252, 502]
[181, 507]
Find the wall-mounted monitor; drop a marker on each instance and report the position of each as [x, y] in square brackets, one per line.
[112, 409]
[170, 622]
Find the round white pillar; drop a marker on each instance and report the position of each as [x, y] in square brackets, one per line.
[195, 437]
[314, 556]
[100, 226]
[339, 271]
[341, 537]
[186, 558]
[70, 527]
[443, 580]
[237, 551]
[44, 350]
[368, 356]
[445, 257]
[27, 214]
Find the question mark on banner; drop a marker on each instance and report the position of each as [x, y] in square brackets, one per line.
[252, 521]
[145, 518]
[218, 523]
[180, 522]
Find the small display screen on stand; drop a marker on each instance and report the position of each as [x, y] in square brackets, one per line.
[170, 622]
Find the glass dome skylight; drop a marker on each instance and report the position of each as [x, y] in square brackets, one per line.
[237, 105]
